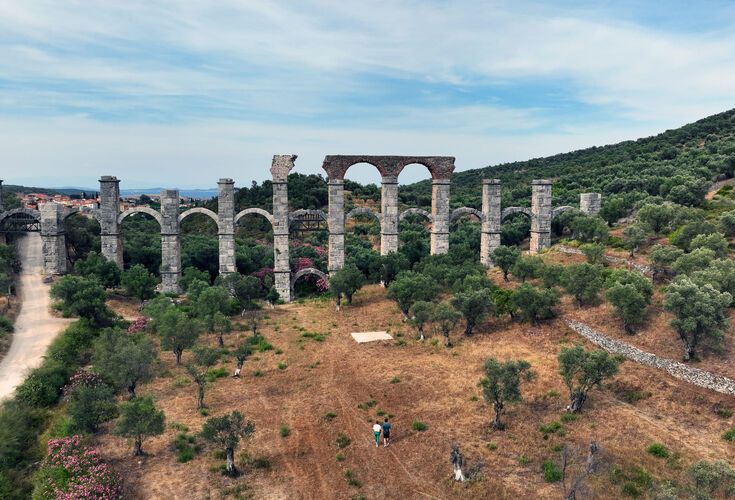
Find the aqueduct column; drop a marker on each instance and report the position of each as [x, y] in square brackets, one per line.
[53, 238]
[440, 215]
[491, 219]
[170, 241]
[337, 224]
[540, 215]
[1, 197]
[280, 168]
[389, 215]
[590, 203]
[226, 226]
[108, 213]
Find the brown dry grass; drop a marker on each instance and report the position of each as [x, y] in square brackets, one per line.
[437, 386]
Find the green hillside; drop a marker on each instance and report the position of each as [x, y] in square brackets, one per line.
[677, 164]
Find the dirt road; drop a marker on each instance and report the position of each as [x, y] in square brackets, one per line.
[35, 327]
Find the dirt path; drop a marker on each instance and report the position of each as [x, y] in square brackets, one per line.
[35, 327]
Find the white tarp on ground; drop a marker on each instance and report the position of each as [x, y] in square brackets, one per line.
[361, 337]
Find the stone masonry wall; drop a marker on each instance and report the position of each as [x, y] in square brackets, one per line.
[389, 216]
[280, 168]
[53, 238]
[590, 203]
[108, 212]
[170, 241]
[226, 225]
[440, 216]
[540, 215]
[676, 369]
[336, 224]
[491, 219]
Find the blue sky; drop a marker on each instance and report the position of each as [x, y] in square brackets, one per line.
[178, 94]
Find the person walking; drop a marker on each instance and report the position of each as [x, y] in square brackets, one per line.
[386, 433]
[376, 432]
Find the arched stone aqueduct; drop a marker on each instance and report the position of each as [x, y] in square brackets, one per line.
[51, 217]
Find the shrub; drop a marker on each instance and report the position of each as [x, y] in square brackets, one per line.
[729, 435]
[550, 428]
[329, 416]
[658, 450]
[284, 431]
[42, 387]
[343, 440]
[419, 426]
[524, 460]
[552, 474]
[395, 380]
[339, 457]
[713, 479]
[6, 326]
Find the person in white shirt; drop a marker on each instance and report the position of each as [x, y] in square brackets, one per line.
[376, 432]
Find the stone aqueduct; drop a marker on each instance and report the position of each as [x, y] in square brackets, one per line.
[51, 216]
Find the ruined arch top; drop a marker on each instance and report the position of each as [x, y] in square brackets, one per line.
[296, 214]
[258, 211]
[507, 212]
[560, 210]
[459, 212]
[415, 211]
[141, 210]
[356, 212]
[27, 211]
[440, 167]
[199, 210]
[304, 272]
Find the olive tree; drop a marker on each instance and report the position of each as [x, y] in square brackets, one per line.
[138, 282]
[662, 257]
[345, 281]
[727, 223]
[474, 306]
[583, 281]
[699, 314]
[124, 359]
[504, 257]
[534, 303]
[502, 384]
[421, 314]
[177, 331]
[527, 267]
[226, 431]
[138, 420]
[446, 319]
[204, 358]
[634, 236]
[583, 370]
[630, 293]
[410, 287]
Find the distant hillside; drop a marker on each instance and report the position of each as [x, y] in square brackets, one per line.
[12, 188]
[676, 164]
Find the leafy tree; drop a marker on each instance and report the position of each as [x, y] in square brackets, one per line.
[204, 358]
[727, 223]
[6, 288]
[720, 274]
[533, 303]
[226, 431]
[421, 314]
[504, 303]
[583, 281]
[699, 314]
[505, 257]
[346, 281]
[89, 405]
[177, 331]
[390, 265]
[583, 370]
[410, 287]
[627, 277]
[138, 282]
[191, 274]
[714, 241]
[242, 353]
[252, 320]
[474, 306]
[502, 384]
[594, 252]
[124, 359]
[684, 236]
[83, 297]
[446, 319]
[697, 260]
[272, 296]
[95, 265]
[244, 289]
[211, 301]
[139, 419]
[630, 305]
[527, 267]
[714, 479]
[551, 275]
[657, 218]
[221, 325]
[589, 229]
[195, 288]
[634, 236]
[662, 257]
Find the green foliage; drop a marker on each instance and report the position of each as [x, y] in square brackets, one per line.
[90, 405]
[43, 385]
[583, 281]
[391, 265]
[697, 260]
[527, 267]
[420, 314]
[714, 241]
[226, 431]
[720, 274]
[726, 223]
[138, 282]
[594, 252]
[582, 370]
[345, 281]
[446, 318]
[191, 274]
[589, 229]
[534, 303]
[139, 419]
[244, 289]
[419, 426]
[124, 359]
[474, 306]
[502, 384]
[177, 331]
[551, 275]
[410, 287]
[729, 435]
[699, 314]
[552, 473]
[97, 266]
[212, 300]
[505, 257]
[186, 447]
[284, 431]
[662, 258]
[83, 297]
[343, 440]
[714, 479]
[658, 450]
[634, 236]
[656, 218]
[684, 236]
[633, 480]
[630, 305]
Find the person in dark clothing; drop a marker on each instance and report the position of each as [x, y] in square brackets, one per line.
[386, 433]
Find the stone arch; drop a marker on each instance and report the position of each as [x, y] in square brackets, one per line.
[415, 211]
[258, 211]
[27, 211]
[507, 212]
[199, 210]
[362, 211]
[560, 210]
[440, 167]
[303, 272]
[459, 212]
[141, 210]
[303, 211]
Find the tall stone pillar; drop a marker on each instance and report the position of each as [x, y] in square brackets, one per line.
[226, 226]
[389, 214]
[540, 215]
[53, 238]
[440, 216]
[280, 168]
[590, 203]
[108, 213]
[170, 241]
[336, 189]
[1, 197]
[491, 219]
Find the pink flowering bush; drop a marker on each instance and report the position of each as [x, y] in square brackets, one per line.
[81, 377]
[138, 325]
[72, 471]
[303, 263]
[261, 275]
[322, 285]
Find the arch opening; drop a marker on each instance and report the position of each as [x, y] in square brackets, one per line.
[141, 236]
[82, 233]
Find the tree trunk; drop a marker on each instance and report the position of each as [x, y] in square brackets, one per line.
[178, 353]
[131, 392]
[447, 343]
[689, 347]
[497, 424]
[628, 328]
[505, 275]
[221, 340]
[200, 396]
[338, 300]
[421, 333]
[577, 400]
[231, 470]
[138, 450]
[349, 299]
[469, 327]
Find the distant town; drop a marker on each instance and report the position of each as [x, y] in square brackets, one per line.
[89, 201]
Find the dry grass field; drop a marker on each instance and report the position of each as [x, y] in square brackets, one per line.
[302, 380]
